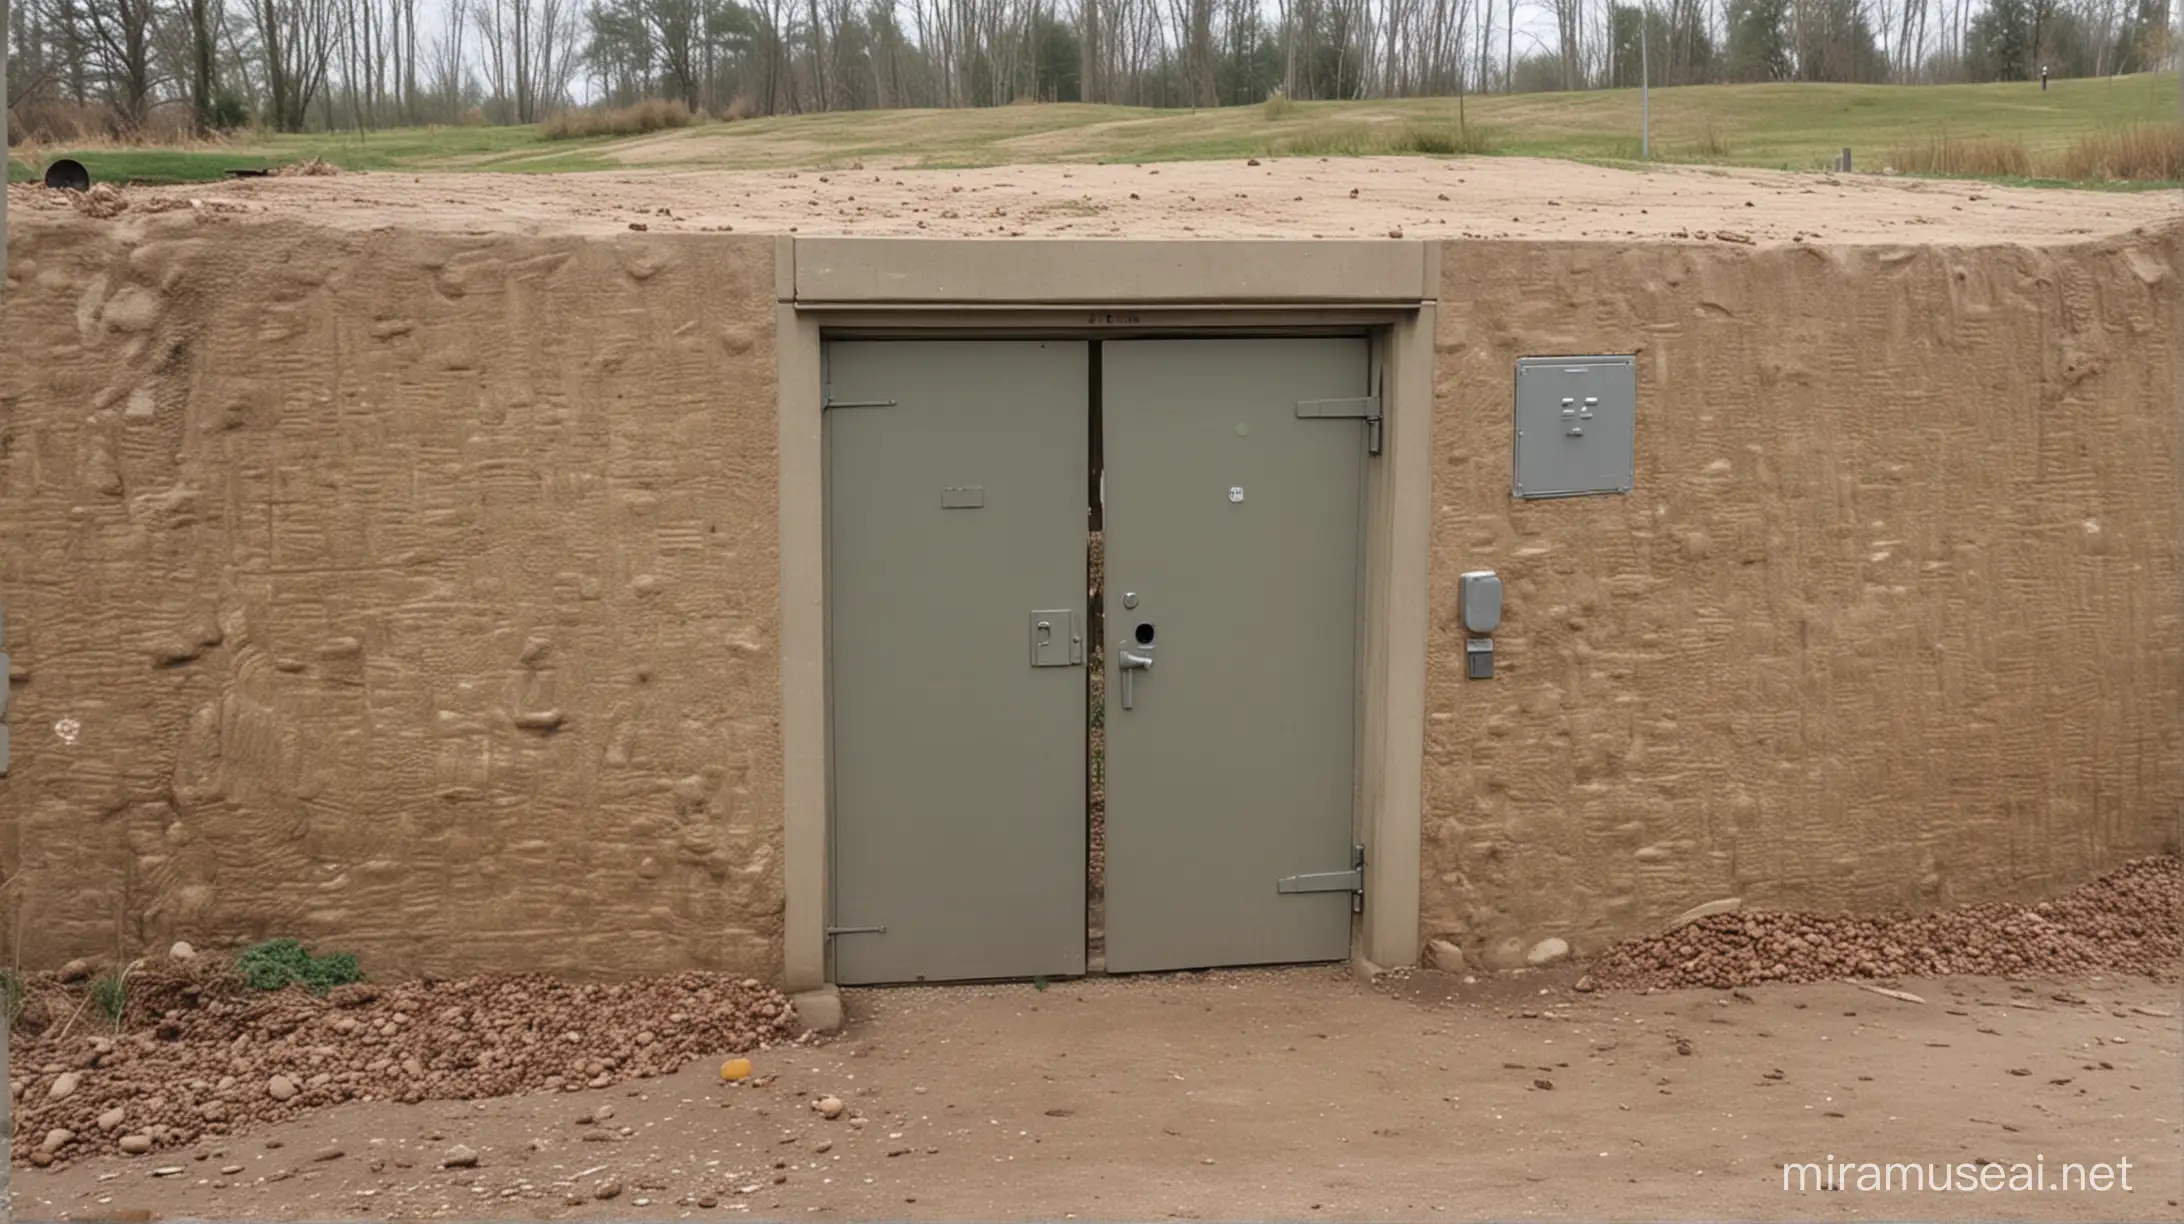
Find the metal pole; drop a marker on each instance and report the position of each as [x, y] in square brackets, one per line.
[1645, 85]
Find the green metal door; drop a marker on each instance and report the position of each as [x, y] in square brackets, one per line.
[1233, 514]
[956, 598]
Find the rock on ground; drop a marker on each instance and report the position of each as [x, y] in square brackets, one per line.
[2128, 921]
[199, 1053]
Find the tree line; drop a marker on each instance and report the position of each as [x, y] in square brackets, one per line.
[199, 66]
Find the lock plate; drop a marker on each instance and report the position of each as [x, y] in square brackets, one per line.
[1056, 639]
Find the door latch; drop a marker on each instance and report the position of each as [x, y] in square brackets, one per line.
[1351, 881]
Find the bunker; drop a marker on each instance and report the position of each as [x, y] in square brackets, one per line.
[690, 570]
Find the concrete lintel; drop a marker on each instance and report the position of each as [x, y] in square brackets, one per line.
[986, 271]
[784, 269]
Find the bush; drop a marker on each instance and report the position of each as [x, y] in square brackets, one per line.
[1381, 139]
[1712, 143]
[279, 963]
[1280, 105]
[229, 111]
[2143, 152]
[650, 115]
[1967, 157]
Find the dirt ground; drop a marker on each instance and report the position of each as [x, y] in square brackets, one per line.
[1290, 1094]
[1502, 197]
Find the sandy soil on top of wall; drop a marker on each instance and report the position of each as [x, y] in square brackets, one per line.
[1500, 197]
[414, 590]
[1891, 619]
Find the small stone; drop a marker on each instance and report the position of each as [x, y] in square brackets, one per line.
[136, 1145]
[1547, 952]
[111, 1120]
[603, 1112]
[230, 1170]
[459, 1157]
[75, 971]
[708, 1201]
[1447, 957]
[167, 1171]
[829, 1107]
[63, 1087]
[280, 1088]
[57, 1138]
[332, 1153]
[606, 1190]
[182, 951]
[823, 1146]
[41, 1159]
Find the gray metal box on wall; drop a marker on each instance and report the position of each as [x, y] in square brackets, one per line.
[1576, 425]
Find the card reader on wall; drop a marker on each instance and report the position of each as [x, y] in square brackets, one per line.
[1478, 598]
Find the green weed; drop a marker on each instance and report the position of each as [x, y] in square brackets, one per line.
[110, 994]
[280, 963]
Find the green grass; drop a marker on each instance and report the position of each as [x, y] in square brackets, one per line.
[1781, 126]
[444, 148]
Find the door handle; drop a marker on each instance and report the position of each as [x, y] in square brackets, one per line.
[1129, 662]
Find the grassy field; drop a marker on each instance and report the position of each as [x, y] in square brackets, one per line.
[1783, 126]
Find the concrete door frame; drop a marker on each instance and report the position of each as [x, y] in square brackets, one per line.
[1108, 289]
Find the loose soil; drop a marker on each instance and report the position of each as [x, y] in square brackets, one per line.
[1293, 197]
[199, 1055]
[2126, 921]
[1291, 1094]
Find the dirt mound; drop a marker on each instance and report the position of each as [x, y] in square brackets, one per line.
[200, 1053]
[306, 169]
[2128, 921]
[102, 201]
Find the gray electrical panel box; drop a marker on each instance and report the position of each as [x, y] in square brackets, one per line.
[1576, 425]
[1478, 596]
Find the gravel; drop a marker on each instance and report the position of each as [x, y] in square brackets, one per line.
[2128, 921]
[202, 1054]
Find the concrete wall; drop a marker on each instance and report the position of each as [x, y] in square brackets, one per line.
[1890, 620]
[419, 592]
[416, 592]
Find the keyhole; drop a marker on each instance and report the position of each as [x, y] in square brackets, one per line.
[1145, 633]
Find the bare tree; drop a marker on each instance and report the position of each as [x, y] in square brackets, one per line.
[121, 51]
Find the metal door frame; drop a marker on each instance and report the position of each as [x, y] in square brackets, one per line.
[909, 289]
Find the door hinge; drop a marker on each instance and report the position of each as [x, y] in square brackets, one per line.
[1362, 407]
[865, 930]
[1351, 881]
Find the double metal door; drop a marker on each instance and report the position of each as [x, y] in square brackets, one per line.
[957, 515]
